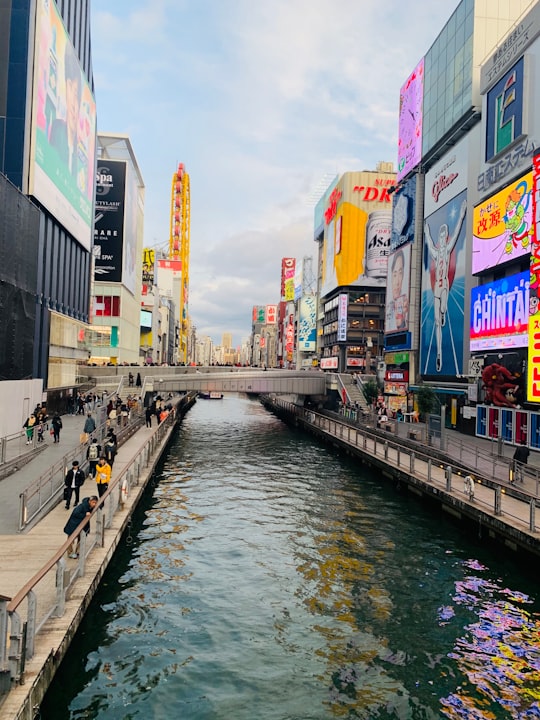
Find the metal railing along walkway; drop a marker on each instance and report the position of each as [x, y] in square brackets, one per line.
[497, 497]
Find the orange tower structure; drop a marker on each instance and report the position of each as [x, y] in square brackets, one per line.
[179, 250]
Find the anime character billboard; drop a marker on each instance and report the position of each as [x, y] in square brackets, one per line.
[443, 289]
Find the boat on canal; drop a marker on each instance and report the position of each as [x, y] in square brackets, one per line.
[210, 395]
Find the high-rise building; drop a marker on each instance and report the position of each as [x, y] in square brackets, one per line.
[430, 277]
[47, 152]
[115, 332]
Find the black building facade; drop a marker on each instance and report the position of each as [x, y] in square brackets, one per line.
[41, 41]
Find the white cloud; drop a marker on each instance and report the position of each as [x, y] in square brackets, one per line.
[259, 100]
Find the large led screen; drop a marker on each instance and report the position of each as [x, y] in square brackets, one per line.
[410, 121]
[63, 146]
[503, 225]
[443, 289]
[533, 364]
[397, 290]
[500, 314]
[403, 214]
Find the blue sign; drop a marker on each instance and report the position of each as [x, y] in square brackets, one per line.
[504, 122]
[500, 314]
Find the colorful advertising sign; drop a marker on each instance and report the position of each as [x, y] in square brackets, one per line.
[533, 364]
[307, 324]
[330, 363]
[403, 214]
[503, 225]
[505, 119]
[63, 137]
[397, 290]
[166, 273]
[410, 121]
[270, 314]
[443, 289]
[357, 232]
[321, 207]
[500, 314]
[288, 269]
[149, 258]
[258, 314]
[343, 305]
[109, 220]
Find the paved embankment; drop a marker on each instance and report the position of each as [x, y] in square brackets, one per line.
[68, 585]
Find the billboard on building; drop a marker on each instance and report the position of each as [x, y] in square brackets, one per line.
[167, 271]
[410, 121]
[131, 234]
[403, 212]
[307, 324]
[288, 269]
[343, 306]
[149, 259]
[258, 314]
[63, 133]
[500, 314]
[270, 316]
[511, 107]
[533, 364]
[358, 226]
[443, 289]
[503, 225]
[109, 220]
[397, 290]
[321, 207]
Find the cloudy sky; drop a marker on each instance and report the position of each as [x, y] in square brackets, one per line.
[264, 101]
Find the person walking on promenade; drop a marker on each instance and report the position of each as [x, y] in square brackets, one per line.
[521, 457]
[110, 449]
[92, 455]
[73, 480]
[148, 415]
[56, 423]
[40, 430]
[138, 382]
[29, 428]
[89, 425]
[79, 513]
[103, 475]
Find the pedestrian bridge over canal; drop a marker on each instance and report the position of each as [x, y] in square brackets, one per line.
[212, 379]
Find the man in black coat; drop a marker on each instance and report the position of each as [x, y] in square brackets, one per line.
[521, 457]
[73, 481]
[78, 514]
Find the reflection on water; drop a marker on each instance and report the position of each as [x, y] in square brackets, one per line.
[270, 579]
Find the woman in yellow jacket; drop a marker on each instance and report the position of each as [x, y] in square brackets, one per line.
[103, 475]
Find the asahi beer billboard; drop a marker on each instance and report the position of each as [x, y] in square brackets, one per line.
[357, 231]
[109, 221]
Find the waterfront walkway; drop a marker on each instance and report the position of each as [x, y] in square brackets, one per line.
[24, 554]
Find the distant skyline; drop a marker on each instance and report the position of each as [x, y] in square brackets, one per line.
[260, 101]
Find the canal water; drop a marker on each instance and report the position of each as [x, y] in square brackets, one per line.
[266, 578]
